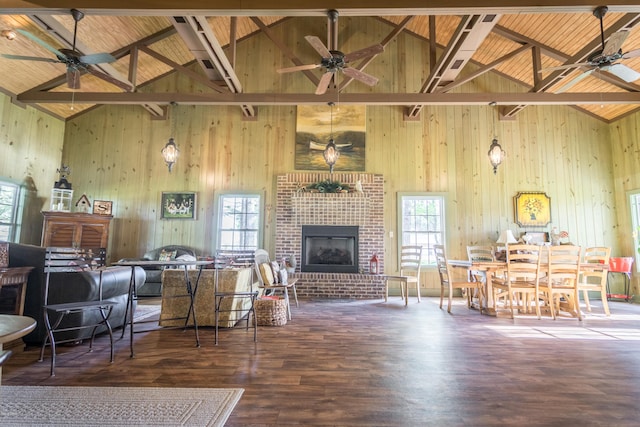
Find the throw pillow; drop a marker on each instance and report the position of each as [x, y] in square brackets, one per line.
[167, 255]
[266, 273]
[275, 269]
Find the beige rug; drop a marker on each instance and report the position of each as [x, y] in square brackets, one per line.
[116, 406]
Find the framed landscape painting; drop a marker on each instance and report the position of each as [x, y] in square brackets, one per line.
[178, 205]
[316, 124]
[533, 209]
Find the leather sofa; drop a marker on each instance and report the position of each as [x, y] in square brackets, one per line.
[153, 284]
[70, 287]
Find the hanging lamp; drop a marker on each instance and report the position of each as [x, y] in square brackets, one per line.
[170, 151]
[496, 153]
[331, 152]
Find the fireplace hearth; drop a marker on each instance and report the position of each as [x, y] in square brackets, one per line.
[329, 248]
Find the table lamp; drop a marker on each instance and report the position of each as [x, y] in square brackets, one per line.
[506, 237]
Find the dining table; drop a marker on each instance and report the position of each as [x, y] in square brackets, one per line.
[13, 327]
[491, 268]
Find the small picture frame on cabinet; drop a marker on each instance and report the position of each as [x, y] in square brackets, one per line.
[102, 207]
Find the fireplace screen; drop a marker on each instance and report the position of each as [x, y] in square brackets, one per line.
[329, 248]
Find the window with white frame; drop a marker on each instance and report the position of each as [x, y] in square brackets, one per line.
[421, 222]
[239, 222]
[634, 203]
[9, 204]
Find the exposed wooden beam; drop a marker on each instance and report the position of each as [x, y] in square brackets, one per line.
[529, 98]
[627, 22]
[471, 32]
[392, 35]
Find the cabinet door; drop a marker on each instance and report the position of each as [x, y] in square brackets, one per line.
[59, 234]
[93, 236]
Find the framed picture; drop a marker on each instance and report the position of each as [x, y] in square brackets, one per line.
[533, 209]
[178, 205]
[316, 124]
[102, 207]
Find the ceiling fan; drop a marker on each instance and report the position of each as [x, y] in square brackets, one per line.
[76, 62]
[605, 59]
[334, 60]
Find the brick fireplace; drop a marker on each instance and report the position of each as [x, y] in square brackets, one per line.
[297, 208]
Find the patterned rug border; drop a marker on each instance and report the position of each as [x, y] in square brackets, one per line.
[116, 406]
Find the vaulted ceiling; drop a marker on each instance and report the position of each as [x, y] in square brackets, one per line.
[516, 39]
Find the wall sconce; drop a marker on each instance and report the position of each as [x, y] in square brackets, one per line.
[331, 152]
[8, 34]
[170, 153]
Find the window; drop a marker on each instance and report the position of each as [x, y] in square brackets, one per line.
[421, 222]
[634, 203]
[239, 222]
[9, 203]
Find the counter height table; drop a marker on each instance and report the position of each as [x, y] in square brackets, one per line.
[190, 288]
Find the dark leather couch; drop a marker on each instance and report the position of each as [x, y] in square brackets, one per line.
[70, 287]
[153, 284]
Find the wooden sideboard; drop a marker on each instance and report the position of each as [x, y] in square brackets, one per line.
[81, 230]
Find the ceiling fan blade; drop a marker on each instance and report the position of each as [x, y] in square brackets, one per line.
[564, 67]
[359, 75]
[575, 81]
[97, 58]
[324, 83]
[73, 78]
[622, 71]
[298, 68]
[614, 43]
[631, 54]
[29, 58]
[317, 44]
[364, 53]
[42, 43]
[109, 79]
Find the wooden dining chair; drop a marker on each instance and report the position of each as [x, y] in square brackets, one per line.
[560, 285]
[595, 280]
[480, 254]
[410, 265]
[448, 281]
[520, 284]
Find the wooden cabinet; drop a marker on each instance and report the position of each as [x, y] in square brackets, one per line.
[80, 230]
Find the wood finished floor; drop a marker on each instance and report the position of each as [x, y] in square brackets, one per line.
[367, 363]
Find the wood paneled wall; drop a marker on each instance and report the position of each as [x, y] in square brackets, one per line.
[31, 146]
[114, 153]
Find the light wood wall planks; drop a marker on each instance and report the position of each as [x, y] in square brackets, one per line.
[114, 153]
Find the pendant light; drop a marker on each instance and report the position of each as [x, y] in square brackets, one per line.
[170, 151]
[331, 152]
[496, 153]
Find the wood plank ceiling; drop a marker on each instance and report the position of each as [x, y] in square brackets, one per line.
[515, 42]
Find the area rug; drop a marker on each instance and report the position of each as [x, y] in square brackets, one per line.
[116, 406]
[145, 311]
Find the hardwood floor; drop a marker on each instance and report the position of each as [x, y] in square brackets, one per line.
[367, 363]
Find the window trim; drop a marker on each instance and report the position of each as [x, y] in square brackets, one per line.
[16, 216]
[421, 194]
[218, 216]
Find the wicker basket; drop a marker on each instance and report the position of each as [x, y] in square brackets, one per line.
[271, 312]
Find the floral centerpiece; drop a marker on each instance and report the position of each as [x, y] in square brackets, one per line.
[328, 186]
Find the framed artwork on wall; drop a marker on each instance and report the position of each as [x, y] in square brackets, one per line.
[533, 209]
[178, 205]
[102, 207]
[316, 124]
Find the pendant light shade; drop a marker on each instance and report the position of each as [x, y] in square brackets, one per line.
[170, 153]
[496, 155]
[331, 154]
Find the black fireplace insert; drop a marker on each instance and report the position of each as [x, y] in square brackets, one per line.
[329, 248]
